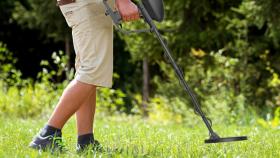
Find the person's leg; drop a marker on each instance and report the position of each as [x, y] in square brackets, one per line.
[85, 119]
[72, 98]
[85, 115]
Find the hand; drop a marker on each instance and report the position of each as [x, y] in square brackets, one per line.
[128, 10]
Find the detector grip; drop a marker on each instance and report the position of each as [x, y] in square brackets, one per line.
[117, 20]
[115, 15]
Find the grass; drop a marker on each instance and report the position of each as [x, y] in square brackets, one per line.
[133, 137]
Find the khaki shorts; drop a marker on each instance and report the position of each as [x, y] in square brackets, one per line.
[92, 33]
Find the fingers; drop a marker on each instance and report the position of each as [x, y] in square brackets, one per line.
[131, 17]
[136, 16]
[128, 10]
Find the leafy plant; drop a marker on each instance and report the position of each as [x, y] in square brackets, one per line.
[271, 122]
[28, 98]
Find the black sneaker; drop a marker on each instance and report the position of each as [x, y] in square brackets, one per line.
[52, 143]
[95, 146]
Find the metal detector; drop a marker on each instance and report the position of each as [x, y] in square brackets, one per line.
[154, 10]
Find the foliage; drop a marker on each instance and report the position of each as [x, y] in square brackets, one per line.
[171, 110]
[41, 14]
[9, 75]
[214, 85]
[243, 68]
[229, 51]
[267, 15]
[57, 71]
[110, 101]
[22, 97]
[271, 122]
[27, 98]
[28, 101]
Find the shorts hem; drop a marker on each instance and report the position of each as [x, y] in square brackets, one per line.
[92, 82]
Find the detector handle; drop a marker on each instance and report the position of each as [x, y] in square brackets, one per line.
[117, 20]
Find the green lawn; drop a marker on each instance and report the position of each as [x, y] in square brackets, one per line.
[132, 137]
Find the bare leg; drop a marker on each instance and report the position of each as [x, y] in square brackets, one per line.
[85, 115]
[72, 98]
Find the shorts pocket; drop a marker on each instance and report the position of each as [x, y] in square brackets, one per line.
[69, 15]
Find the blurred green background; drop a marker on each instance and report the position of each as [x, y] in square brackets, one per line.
[229, 51]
